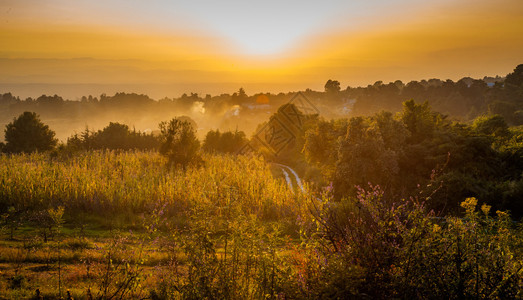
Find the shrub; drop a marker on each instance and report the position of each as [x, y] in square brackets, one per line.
[49, 221]
[398, 249]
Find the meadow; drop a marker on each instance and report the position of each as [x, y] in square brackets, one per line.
[121, 225]
[117, 183]
[106, 195]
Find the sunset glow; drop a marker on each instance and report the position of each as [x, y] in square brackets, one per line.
[241, 149]
[165, 48]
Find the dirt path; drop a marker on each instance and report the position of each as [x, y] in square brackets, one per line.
[297, 179]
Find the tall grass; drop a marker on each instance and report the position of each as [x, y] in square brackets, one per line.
[109, 182]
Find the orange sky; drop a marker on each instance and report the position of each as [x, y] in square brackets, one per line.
[52, 48]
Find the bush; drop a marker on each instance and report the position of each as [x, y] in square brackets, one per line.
[48, 221]
[398, 249]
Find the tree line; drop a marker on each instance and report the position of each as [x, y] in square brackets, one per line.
[464, 99]
[175, 138]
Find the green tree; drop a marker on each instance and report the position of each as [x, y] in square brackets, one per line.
[212, 141]
[239, 97]
[491, 125]
[515, 79]
[418, 119]
[28, 134]
[332, 86]
[365, 157]
[179, 143]
[227, 142]
[321, 144]
[114, 136]
[413, 90]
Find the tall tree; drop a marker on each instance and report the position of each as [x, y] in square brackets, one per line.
[332, 86]
[179, 142]
[418, 119]
[28, 134]
[515, 79]
[364, 156]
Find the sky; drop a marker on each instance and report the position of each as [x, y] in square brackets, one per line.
[166, 48]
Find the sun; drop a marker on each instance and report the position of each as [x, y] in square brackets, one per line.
[260, 27]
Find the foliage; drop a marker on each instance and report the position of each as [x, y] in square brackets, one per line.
[419, 120]
[399, 249]
[48, 221]
[113, 137]
[515, 79]
[179, 143]
[419, 147]
[491, 125]
[28, 134]
[283, 136]
[229, 230]
[332, 87]
[370, 152]
[11, 220]
[463, 100]
[320, 140]
[241, 263]
[507, 101]
[226, 142]
[121, 272]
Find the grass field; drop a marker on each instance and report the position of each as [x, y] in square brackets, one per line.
[120, 225]
[137, 182]
[121, 200]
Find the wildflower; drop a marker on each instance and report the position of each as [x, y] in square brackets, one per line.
[501, 214]
[469, 204]
[485, 209]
